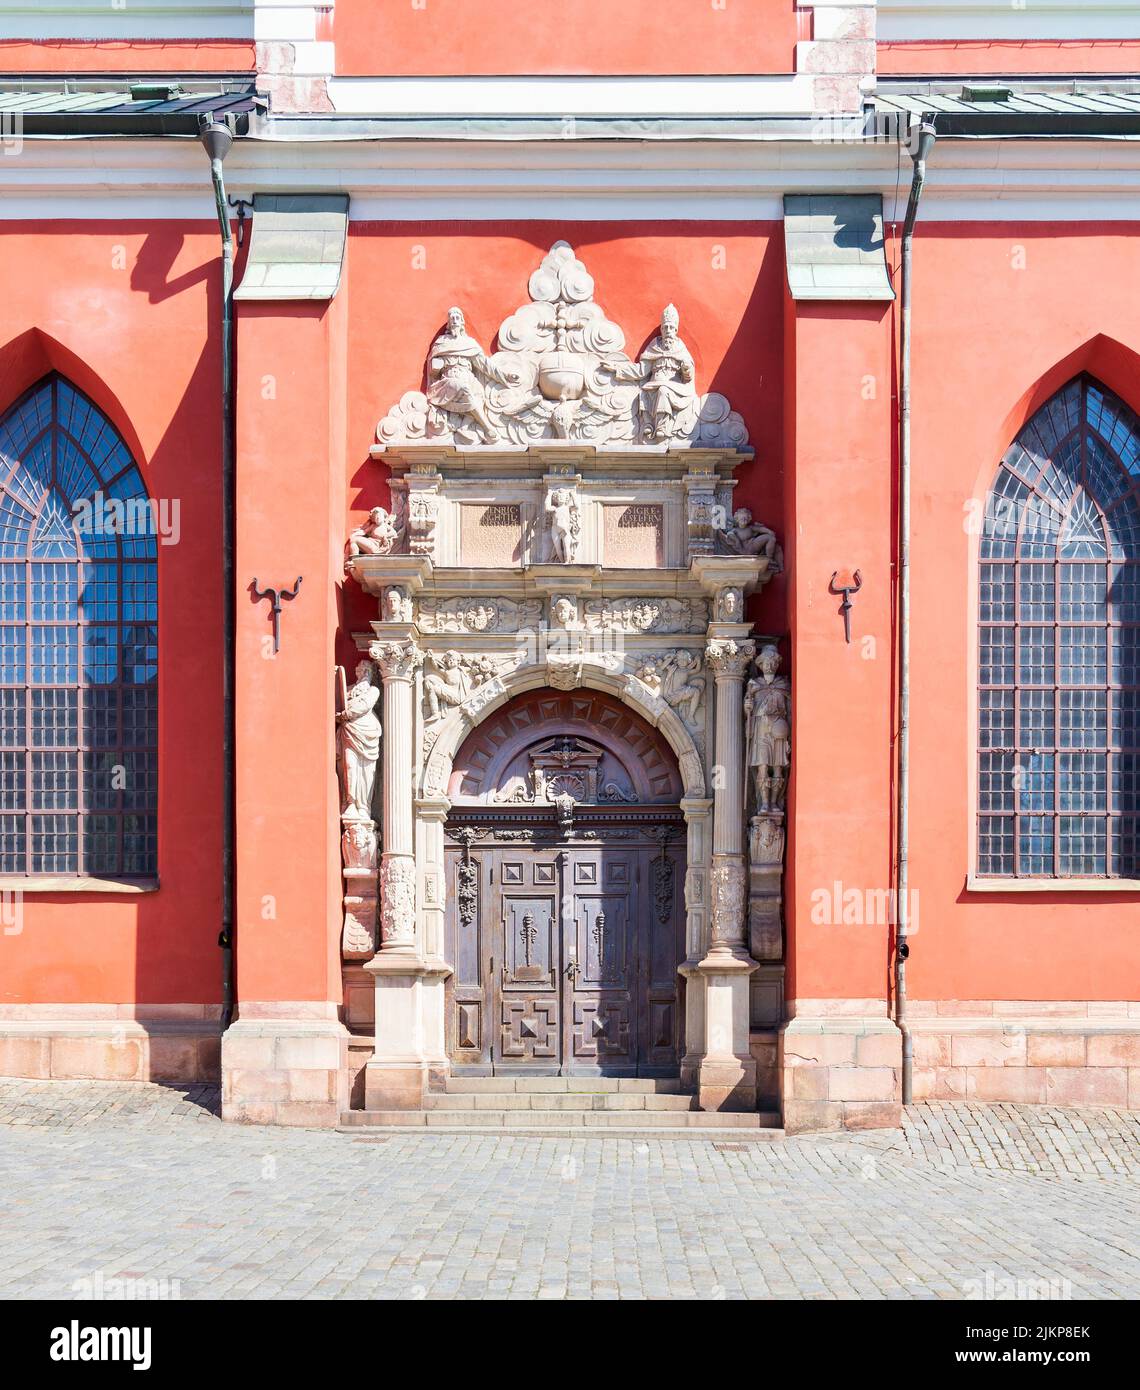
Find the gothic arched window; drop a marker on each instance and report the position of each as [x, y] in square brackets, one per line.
[1059, 646]
[78, 644]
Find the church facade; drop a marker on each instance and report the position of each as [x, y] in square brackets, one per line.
[577, 579]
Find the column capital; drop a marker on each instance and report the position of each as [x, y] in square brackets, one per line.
[398, 660]
[729, 658]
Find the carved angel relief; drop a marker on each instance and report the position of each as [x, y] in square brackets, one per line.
[561, 372]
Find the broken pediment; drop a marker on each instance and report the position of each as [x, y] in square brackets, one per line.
[561, 372]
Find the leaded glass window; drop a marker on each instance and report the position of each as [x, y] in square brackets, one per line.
[78, 644]
[1059, 646]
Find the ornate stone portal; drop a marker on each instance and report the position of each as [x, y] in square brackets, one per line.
[563, 518]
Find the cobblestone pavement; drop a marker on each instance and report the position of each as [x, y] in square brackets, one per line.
[102, 1182]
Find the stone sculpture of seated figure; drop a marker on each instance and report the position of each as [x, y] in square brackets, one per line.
[748, 537]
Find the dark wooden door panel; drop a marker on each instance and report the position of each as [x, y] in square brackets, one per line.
[663, 948]
[467, 937]
[600, 934]
[565, 957]
[528, 951]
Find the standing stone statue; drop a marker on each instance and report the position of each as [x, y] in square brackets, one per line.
[358, 737]
[767, 705]
[565, 524]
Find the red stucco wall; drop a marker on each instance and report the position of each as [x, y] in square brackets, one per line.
[991, 339]
[594, 37]
[123, 310]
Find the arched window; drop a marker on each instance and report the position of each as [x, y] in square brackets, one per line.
[1059, 645]
[78, 644]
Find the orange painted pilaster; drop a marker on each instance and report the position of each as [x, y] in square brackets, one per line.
[290, 510]
[839, 1052]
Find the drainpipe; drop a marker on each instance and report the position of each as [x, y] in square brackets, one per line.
[920, 151]
[216, 140]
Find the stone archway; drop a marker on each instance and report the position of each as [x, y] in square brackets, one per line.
[564, 866]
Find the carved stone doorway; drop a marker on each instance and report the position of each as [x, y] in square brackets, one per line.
[565, 865]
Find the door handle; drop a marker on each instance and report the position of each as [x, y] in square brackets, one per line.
[572, 970]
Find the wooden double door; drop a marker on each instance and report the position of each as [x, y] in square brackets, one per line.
[565, 955]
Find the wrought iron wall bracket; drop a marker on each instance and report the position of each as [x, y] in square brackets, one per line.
[846, 590]
[277, 595]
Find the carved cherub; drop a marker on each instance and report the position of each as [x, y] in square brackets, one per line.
[565, 611]
[379, 535]
[748, 537]
[447, 686]
[684, 687]
[565, 526]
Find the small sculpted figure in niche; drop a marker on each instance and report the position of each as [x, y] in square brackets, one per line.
[565, 527]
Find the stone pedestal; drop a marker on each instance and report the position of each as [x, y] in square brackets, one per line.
[285, 1070]
[840, 1070]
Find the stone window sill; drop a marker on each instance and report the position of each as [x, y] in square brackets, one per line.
[62, 884]
[976, 883]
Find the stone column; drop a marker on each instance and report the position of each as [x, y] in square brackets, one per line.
[729, 661]
[397, 662]
[727, 1073]
[395, 1077]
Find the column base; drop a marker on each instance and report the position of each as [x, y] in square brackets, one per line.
[407, 1006]
[725, 1085]
[726, 1073]
[840, 1071]
[285, 1071]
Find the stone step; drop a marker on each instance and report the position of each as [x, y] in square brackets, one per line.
[556, 1085]
[566, 1100]
[578, 1122]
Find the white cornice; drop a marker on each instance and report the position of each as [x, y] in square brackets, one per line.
[127, 19]
[1025, 20]
[999, 180]
[570, 97]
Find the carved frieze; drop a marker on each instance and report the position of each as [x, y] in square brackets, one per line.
[478, 614]
[637, 615]
[561, 372]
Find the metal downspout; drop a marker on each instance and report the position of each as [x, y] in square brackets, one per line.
[919, 153]
[217, 140]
